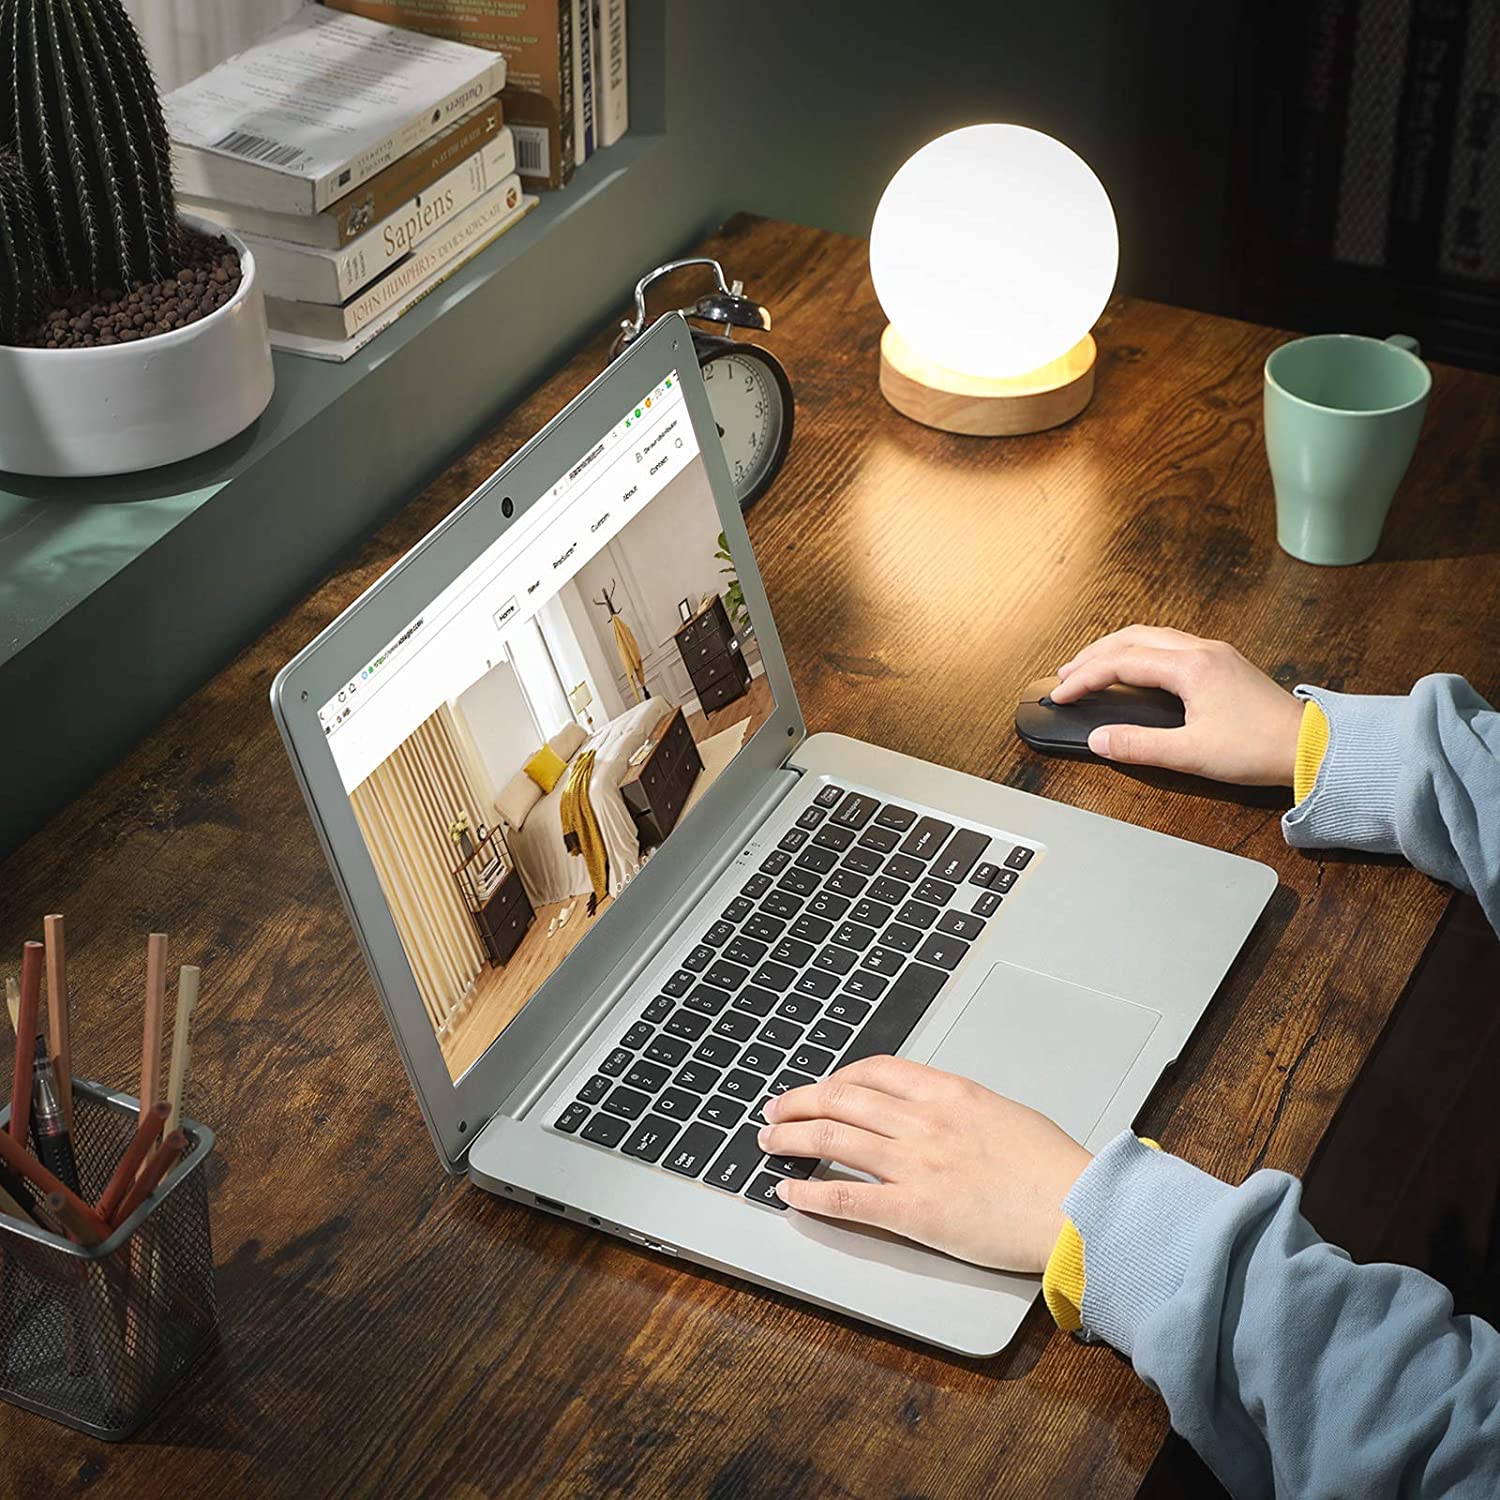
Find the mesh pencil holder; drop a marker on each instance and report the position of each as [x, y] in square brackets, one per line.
[94, 1338]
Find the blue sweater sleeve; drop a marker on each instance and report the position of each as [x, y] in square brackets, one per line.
[1417, 776]
[1290, 1369]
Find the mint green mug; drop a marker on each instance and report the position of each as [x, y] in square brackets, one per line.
[1342, 417]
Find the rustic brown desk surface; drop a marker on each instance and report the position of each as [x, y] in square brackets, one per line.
[392, 1332]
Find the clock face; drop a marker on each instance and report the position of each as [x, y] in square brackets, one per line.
[750, 411]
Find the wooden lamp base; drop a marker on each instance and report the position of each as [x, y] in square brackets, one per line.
[981, 407]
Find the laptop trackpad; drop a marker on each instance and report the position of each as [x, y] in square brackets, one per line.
[1059, 1047]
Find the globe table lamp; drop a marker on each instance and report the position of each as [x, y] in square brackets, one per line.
[993, 252]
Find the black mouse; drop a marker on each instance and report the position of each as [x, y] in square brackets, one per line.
[1064, 728]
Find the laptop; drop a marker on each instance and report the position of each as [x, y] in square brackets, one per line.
[614, 896]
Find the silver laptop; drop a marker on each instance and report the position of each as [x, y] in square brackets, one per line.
[614, 897]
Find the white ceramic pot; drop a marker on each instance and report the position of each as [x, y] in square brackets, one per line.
[114, 410]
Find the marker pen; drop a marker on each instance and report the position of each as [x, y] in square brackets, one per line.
[54, 1146]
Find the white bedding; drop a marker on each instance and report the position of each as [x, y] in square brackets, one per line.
[548, 871]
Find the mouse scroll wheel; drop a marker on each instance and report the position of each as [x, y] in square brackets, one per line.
[1046, 701]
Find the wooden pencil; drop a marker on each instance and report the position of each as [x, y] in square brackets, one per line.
[147, 1131]
[31, 995]
[81, 1227]
[156, 1000]
[59, 1042]
[8, 1205]
[158, 1164]
[177, 1072]
[13, 1001]
[26, 1165]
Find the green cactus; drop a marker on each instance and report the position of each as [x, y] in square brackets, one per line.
[23, 273]
[83, 115]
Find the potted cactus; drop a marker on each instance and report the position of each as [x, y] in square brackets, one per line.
[128, 337]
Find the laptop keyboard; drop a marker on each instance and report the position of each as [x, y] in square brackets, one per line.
[833, 951]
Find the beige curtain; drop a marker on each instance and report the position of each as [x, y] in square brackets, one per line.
[405, 808]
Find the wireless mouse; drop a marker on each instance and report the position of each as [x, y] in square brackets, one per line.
[1064, 728]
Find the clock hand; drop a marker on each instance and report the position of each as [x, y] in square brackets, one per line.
[721, 430]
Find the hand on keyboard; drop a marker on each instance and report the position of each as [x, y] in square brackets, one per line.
[960, 1168]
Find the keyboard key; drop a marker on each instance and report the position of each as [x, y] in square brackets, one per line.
[926, 838]
[616, 1062]
[864, 985]
[810, 817]
[734, 1164]
[790, 1079]
[648, 1076]
[738, 909]
[799, 882]
[650, 1138]
[854, 935]
[894, 1017]
[941, 950]
[986, 904]
[828, 904]
[756, 886]
[698, 1077]
[833, 837]
[707, 999]
[742, 1085]
[775, 862]
[903, 867]
[886, 892]
[677, 1103]
[667, 1049]
[811, 929]
[792, 840]
[959, 853]
[983, 873]
[826, 1033]
[763, 1190]
[847, 1008]
[935, 892]
[717, 1050]
[756, 1001]
[959, 924]
[870, 913]
[855, 810]
[893, 816]
[725, 975]
[736, 1025]
[780, 904]
[863, 861]
[659, 1009]
[829, 796]
[1003, 880]
[903, 939]
[699, 959]
[884, 960]
[793, 1166]
[679, 984]
[630, 1104]
[758, 1114]
[819, 860]
[774, 976]
[723, 1112]
[798, 1008]
[719, 933]
[572, 1117]
[685, 1024]
[917, 914]
[882, 840]
[784, 1031]
[816, 983]
[694, 1147]
[606, 1130]
[792, 951]
[744, 950]
[763, 929]
[836, 960]
[594, 1090]
[811, 1059]
[764, 1059]
[1017, 859]
[846, 883]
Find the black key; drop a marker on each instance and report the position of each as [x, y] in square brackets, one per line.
[595, 1089]
[863, 861]
[699, 959]
[983, 873]
[763, 1059]
[774, 976]
[738, 909]
[758, 1114]
[799, 882]
[756, 1001]
[693, 1148]
[987, 903]
[717, 1050]
[736, 1025]
[855, 810]
[734, 1164]
[708, 999]
[902, 939]
[628, 1103]
[884, 960]
[686, 1024]
[882, 840]
[780, 1031]
[667, 1049]
[828, 904]
[678, 1103]
[820, 860]
[679, 984]
[810, 817]
[941, 950]
[616, 1062]
[698, 1077]
[776, 861]
[903, 867]
[847, 1008]
[1003, 880]
[780, 904]
[829, 796]
[871, 913]
[1017, 859]
[790, 1080]
[887, 893]
[756, 886]
[792, 951]
[659, 1009]
[572, 1117]
[792, 840]
[935, 892]
[606, 1130]
[763, 1190]
[846, 883]
[812, 1059]
[836, 960]
[959, 854]
[719, 934]
[798, 1008]
[725, 1113]
[811, 929]
[650, 1138]
[741, 1084]
[817, 984]
[854, 935]
[833, 837]
[895, 1016]
[827, 1033]
[793, 1166]
[647, 1075]
[744, 950]
[960, 925]
[725, 975]
[763, 929]
[864, 986]
[892, 816]
[926, 838]
[917, 914]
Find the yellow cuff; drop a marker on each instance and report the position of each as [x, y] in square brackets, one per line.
[1312, 745]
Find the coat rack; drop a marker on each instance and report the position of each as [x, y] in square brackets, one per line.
[625, 644]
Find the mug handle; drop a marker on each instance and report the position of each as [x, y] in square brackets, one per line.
[1405, 341]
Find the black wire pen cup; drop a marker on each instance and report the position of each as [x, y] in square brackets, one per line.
[94, 1337]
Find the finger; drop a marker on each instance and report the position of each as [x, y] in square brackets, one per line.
[836, 1098]
[898, 1076]
[1163, 637]
[860, 1202]
[1133, 745]
[1140, 666]
[832, 1140]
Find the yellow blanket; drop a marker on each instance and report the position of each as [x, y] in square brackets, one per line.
[580, 827]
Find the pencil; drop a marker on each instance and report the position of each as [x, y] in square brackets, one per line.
[27, 1166]
[187, 999]
[13, 1001]
[158, 1164]
[156, 999]
[58, 1033]
[31, 995]
[146, 1133]
[80, 1227]
[8, 1205]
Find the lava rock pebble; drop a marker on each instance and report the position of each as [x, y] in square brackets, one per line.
[209, 277]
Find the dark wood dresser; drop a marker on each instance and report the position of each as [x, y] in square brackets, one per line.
[711, 653]
[496, 899]
[655, 790]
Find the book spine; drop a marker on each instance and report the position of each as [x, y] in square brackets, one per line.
[614, 87]
[1471, 237]
[583, 80]
[565, 44]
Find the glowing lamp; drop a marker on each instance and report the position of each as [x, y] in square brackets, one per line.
[993, 252]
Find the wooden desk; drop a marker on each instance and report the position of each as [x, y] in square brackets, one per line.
[388, 1331]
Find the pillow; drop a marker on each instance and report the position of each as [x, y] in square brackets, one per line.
[566, 741]
[517, 797]
[545, 767]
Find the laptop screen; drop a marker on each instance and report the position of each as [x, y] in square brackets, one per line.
[524, 745]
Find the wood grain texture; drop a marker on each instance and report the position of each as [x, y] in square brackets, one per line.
[390, 1332]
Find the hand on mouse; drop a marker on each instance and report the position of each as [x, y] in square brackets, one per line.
[1240, 727]
[960, 1168]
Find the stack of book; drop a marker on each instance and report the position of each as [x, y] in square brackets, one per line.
[362, 164]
